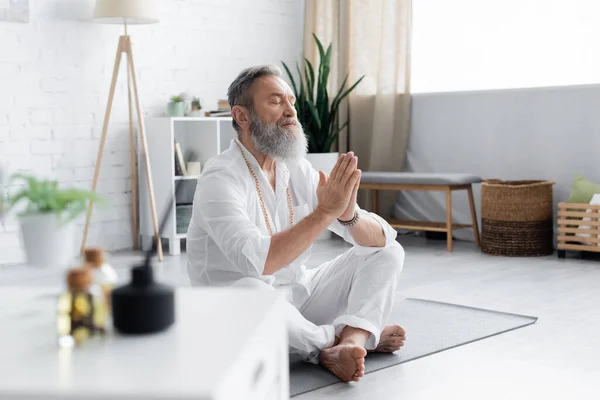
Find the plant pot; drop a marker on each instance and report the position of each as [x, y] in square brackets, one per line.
[176, 109]
[48, 242]
[196, 113]
[323, 162]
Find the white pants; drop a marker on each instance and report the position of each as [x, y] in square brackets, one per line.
[350, 290]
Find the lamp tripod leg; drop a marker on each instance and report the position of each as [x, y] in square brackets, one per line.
[132, 153]
[111, 95]
[131, 67]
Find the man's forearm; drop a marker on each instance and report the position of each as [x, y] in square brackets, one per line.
[367, 232]
[288, 245]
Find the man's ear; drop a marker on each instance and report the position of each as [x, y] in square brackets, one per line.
[240, 115]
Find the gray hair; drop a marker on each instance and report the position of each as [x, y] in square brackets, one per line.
[239, 93]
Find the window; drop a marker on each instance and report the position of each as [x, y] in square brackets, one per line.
[461, 45]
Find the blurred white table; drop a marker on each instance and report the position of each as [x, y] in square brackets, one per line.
[225, 344]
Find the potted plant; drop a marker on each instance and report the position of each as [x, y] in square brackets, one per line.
[176, 107]
[196, 106]
[47, 216]
[317, 110]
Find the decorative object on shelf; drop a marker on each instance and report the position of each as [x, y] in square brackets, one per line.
[47, 219]
[223, 110]
[180, 169]
[194, 167]
[126, 13]
[144, 305]
[176, 107]
[196, 107]
[517, 217]
[82, 311]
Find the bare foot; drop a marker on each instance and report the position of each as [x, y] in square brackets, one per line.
[392, 338]
[346, 361]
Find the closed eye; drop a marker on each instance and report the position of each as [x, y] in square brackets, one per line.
[277, 98]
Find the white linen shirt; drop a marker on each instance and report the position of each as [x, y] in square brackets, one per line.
[228, 238]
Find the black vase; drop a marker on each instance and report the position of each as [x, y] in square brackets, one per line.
[142, 306]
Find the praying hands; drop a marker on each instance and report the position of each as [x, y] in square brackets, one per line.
[337, 192]
[337, 197]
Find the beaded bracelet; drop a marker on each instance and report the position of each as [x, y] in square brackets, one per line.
[351, 222]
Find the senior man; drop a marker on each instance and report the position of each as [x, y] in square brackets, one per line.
[258, 208]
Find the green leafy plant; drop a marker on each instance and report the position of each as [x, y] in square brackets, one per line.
[317, 111]
[43, 196]
[177, 99]
[196, 103]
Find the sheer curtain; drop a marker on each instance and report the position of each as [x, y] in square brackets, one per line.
[371, 38]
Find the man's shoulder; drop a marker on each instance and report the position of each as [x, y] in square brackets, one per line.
[222, 169]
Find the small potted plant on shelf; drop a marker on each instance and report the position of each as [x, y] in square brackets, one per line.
[47, 216]
[176, 107]
[196, 107]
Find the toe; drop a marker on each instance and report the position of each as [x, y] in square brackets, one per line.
[358, 353]
[360, 366]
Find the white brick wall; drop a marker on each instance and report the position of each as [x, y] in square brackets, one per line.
[54, 79]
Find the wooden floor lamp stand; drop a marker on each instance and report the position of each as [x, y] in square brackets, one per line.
[124, 46]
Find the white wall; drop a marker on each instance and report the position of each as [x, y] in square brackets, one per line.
[54, 80]
[535, 133]
[500, 44]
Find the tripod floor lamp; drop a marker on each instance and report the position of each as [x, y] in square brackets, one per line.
[126, 12]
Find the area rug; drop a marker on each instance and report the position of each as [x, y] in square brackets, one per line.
[431, 327]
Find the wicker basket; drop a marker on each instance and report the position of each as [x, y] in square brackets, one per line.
[517, 217]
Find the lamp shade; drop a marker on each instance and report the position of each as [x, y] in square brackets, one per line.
[131, 12]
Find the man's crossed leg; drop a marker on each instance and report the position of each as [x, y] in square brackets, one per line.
[350, 300]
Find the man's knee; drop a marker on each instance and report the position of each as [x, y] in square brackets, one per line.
[391, 258]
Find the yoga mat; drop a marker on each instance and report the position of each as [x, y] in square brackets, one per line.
[431, 327]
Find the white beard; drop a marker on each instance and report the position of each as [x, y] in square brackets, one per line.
[277, 142]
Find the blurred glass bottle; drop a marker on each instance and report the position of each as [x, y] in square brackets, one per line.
[103, 273]
[81, 310]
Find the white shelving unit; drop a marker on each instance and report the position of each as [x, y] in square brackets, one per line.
[205, 137]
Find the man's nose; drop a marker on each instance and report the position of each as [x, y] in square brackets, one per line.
[290, 110]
